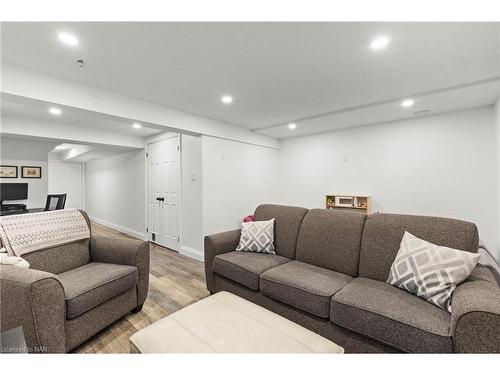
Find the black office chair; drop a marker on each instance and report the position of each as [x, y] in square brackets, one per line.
[55, 202]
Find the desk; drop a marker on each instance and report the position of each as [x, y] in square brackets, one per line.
[27, 211]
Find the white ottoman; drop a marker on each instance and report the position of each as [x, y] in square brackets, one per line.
[225, 323]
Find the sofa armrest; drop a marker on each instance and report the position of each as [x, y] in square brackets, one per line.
[475, 313]
[216, 244]
[124, 251]
[35, 301]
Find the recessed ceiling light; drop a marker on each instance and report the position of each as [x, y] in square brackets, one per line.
[379, 43]
[292, 126]
[136, 125]
[227, 99]
[407, 103]
[55, 111]
[68, 39]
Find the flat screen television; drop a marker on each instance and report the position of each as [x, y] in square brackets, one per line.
[13, 191]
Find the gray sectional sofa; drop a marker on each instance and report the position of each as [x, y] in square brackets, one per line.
[329, 276]
[73, 291]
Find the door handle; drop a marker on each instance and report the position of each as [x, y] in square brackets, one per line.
[160, 199]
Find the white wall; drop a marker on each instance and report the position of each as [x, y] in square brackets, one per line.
[222, 181]
[115, 192]
[236, 178]
[445, 165]
[192, 199]
[67, 178]
[29, 153]
[439, 165]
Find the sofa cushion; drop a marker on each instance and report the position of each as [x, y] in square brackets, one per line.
[303, 286]
[244, 267]
[286, 226]
[392, 316]
[331, 239]
[94, 283]
[76, 254]
[382, 235]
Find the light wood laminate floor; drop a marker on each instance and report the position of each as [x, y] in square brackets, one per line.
[175, 281]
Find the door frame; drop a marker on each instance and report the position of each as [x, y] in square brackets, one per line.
[150, 141]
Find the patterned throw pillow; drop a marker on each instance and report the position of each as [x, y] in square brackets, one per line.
[430, 271]
[257, 237]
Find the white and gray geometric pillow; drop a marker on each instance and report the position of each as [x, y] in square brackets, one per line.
[257, 237]
[430, 271]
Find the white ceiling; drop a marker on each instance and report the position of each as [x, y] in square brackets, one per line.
[83, 152]
[86, 151]
[323, 76]
[433, 103]
[96, 154]
[23, 109]
[37, 111]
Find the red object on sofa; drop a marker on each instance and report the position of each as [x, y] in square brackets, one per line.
[248, 218]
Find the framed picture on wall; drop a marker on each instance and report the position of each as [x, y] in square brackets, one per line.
[8, 171]
[31, 172]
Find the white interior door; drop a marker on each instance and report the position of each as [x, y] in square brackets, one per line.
[164, 175]
[67, 178]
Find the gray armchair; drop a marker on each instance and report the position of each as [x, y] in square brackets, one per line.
[73, 291]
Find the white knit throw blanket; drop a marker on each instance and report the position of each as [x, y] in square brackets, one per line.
[23, 234]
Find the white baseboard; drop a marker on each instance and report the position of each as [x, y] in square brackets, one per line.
[130, 232]
[184, 250]
[192, 253]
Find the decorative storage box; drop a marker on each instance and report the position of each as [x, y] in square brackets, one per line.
[349, 202]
